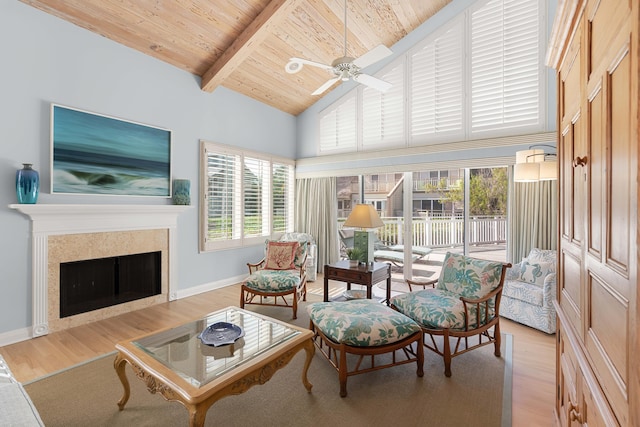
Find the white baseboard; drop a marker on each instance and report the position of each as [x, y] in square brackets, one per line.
[195, 290]
[15, 336]
[12, 337]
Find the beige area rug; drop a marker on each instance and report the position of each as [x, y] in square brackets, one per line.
[477, 394]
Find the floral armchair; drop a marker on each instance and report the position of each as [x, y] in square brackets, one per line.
[279, 275]
[312, 251]
[463, 306]
[530, 289]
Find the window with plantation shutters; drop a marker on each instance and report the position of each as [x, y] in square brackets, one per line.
[338, 127]
[480, 75]
[505, 64]
[437, 88]
[383, 112]
[248, 196]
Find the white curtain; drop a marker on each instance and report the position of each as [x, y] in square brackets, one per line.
[533, 221]
[317, 214]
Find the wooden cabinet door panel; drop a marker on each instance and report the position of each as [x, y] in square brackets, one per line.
[567, 377]
[570, 297]
[596, 157]
[608, 275]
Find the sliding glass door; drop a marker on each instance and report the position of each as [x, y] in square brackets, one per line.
[427, 213]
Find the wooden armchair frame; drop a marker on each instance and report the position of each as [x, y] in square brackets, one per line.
[263, 297]
[478, 325]
[423, 283]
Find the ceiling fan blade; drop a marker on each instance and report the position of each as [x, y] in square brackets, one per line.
[372, 82]
[374, 55]
[325, 86]
[295, 64]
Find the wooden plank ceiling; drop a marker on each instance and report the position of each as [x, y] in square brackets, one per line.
[244, 45]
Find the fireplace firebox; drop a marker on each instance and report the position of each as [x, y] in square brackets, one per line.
[98, 283]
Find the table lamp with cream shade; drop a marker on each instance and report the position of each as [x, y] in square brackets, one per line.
[365, 217]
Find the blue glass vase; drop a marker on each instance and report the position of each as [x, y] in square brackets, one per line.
[27, 184]
[181, 192]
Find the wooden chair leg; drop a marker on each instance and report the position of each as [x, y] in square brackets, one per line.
[446, 354]
[342, 372]
[295, 305]
[241, 297]
[420, 354]
[497, 337]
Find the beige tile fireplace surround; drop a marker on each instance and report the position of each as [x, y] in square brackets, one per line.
[80, 247]
[65, 233]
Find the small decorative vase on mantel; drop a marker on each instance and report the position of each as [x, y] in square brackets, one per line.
[181, 192]
[27, 184]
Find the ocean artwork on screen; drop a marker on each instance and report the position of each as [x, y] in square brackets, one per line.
[96, 154]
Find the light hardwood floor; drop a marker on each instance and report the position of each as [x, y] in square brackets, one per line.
[533, 351]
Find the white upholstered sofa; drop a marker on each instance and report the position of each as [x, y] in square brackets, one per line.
[529, 291]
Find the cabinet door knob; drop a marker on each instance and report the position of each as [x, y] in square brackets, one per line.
[574, 413]
[579, 161]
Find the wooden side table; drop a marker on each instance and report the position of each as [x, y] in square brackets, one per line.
[367, 275]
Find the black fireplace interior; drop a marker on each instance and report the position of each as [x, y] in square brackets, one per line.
[103, 282]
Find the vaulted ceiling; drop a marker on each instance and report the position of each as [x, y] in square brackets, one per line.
[244, 45]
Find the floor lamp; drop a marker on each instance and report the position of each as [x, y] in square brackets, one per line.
[365, 217]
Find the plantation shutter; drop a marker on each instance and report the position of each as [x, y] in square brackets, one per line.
[256, 187]
[282, 194]
[505, 65]
[437, 88]
[338, 127]
[223, 196]
[383, 112]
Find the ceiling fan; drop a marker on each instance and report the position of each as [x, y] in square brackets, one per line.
[346, 68]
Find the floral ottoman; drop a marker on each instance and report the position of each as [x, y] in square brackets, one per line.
[347, 331]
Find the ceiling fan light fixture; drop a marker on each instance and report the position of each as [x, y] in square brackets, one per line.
[346, 68]
[293, 66]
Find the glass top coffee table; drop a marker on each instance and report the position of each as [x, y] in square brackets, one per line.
[176, 364]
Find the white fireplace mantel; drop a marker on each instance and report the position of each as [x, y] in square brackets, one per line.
[59, 219]
[68, 219]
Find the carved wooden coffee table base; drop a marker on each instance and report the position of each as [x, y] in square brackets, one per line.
[164, 381]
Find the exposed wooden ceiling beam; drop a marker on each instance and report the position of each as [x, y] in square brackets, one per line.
[250, 39]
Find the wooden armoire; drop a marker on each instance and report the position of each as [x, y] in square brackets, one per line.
[595, 50]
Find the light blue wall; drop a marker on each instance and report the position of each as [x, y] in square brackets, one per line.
[48, 60]
[307, 131]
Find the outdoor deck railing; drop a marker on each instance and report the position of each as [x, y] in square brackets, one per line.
[444, 231]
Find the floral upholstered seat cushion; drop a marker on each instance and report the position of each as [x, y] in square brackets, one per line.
[301, 254]
[441, 308]
[273, 280]
[523, 291]
[361, 323]
[433, 308]
[469, 277]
